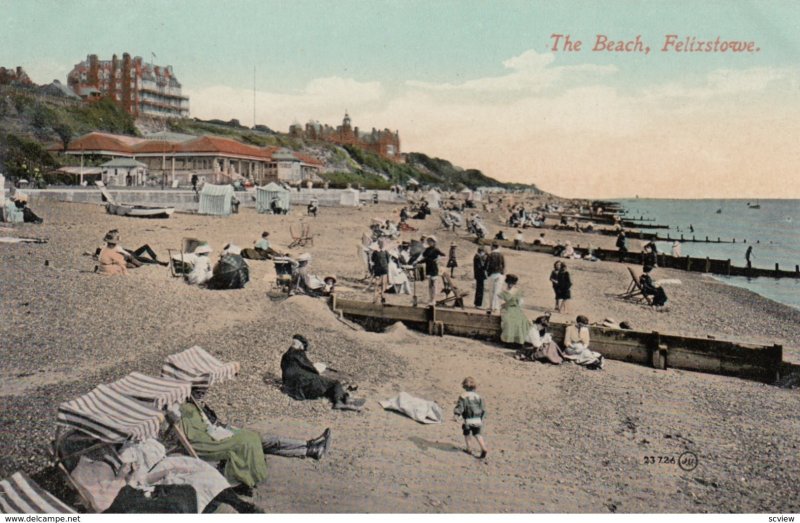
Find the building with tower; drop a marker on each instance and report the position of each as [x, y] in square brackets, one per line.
[384, 143]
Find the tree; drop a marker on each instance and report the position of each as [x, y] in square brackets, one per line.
[64, 132]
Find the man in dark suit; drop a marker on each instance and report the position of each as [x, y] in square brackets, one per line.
[480, 275]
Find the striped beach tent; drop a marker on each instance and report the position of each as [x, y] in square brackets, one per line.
[161, 392]
[215, 200]
[19, 494]
[198, 367]
[110, 416]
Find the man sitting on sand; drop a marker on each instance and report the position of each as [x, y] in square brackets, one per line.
[241, 450]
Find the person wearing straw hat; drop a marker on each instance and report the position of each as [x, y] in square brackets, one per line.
[201, 268]
[110, 260]
[430, 257]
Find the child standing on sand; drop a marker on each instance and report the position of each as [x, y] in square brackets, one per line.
[470, 407]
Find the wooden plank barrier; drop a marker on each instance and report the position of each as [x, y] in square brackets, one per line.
[706, 265]
[656, 349]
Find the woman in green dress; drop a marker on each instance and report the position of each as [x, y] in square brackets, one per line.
[514, 324]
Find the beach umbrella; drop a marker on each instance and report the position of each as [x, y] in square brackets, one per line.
[230, 272]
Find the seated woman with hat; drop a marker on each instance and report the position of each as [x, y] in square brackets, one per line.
[110, 260]
[302, 379]
[310, 284]
[201, 267]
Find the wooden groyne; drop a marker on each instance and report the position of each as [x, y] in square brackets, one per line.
[605, 220]
[654, 349]
[685, 263]
[641, 235]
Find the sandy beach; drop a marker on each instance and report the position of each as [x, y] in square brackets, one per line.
[561, 438]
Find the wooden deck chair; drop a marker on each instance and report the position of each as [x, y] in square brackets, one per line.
[303, 238]
[635, 292]
[198, 367]
[160, 393]
[19, 494]
[178, 266]
[453, 296]
[107, 416]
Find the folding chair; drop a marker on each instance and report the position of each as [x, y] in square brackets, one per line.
[19, 494]
[160, 393]
[305, 236]
[452, 294]
[197, 366]
[179, 265]
[635, 292]
[108, 417]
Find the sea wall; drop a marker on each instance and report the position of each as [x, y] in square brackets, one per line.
[187, 200]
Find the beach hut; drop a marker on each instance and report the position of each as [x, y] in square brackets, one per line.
[433, 198]
[349, 198]
[266, 194]
[216, 199]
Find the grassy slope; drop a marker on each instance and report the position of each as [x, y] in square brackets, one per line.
[28, 120]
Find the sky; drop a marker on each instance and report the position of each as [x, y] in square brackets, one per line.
[478, 83]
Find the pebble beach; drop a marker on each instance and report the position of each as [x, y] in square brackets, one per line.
[561, 438]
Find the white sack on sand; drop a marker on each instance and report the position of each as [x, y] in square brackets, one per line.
[418, 409]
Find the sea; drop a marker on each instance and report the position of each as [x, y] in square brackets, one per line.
[771, 227]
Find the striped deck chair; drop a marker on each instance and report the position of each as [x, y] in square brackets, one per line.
[19, 494]
[110, 416]
[198, 367]
[161, 392]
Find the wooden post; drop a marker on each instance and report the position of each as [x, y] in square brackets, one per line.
[431, 319]
[728, 266]
[706, 239]
[778, 361]
[681, 236]
[777, 270]
[658, 356]
[688, 263]
[708, 263]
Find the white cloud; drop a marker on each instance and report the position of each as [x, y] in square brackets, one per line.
[529, 72]
[565, 128]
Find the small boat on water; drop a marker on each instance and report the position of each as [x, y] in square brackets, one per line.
[139, 211]
[753, 205]
[719, 211]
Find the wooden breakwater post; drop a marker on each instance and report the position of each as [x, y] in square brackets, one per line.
[654, 349]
